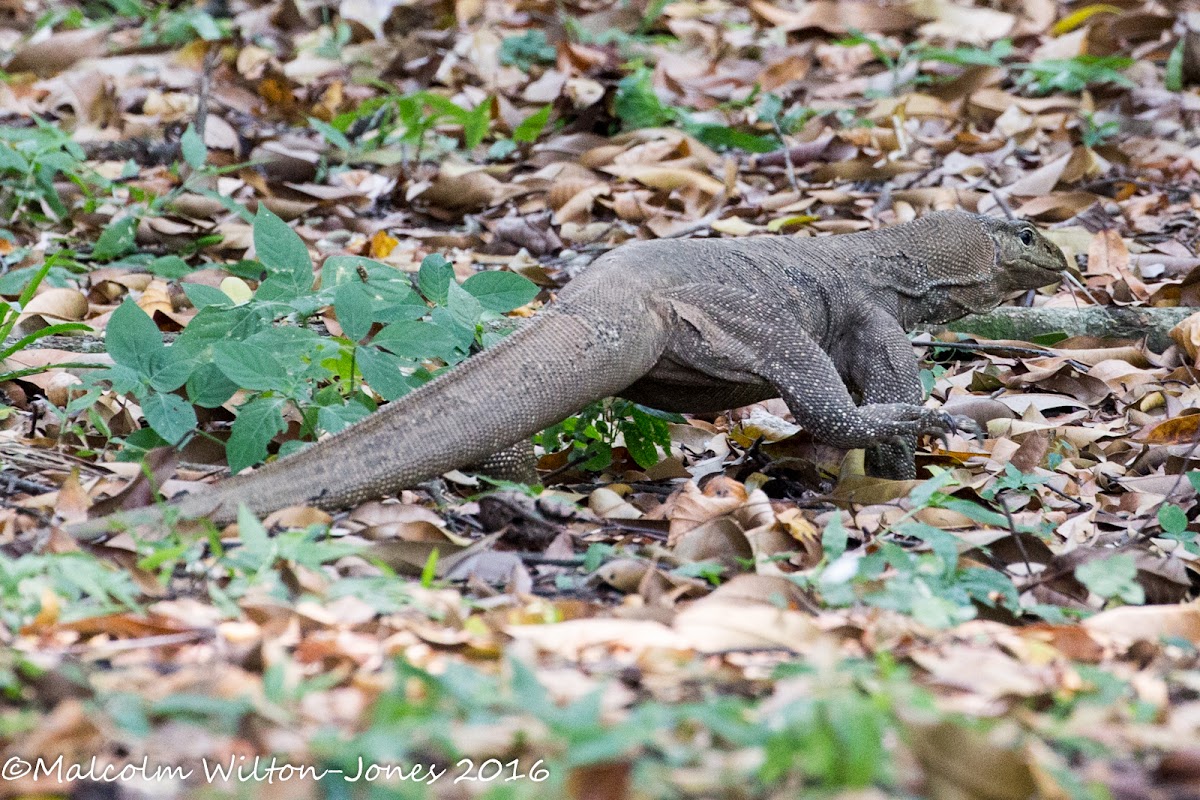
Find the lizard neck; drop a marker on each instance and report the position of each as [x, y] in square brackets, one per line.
[941, 273]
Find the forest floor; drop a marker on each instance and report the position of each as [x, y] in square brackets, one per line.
[192, 198]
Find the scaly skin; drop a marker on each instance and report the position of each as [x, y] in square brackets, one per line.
[690, 326]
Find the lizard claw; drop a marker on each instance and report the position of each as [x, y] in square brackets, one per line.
[966, 425]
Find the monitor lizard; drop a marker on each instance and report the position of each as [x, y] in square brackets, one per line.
[696, 325]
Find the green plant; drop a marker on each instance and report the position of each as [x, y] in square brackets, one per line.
[526, 49]
[1073, 75]
[78, 583]
[173, 27]
[929, 582]
[1094, 134]
[968, 56]
[1173, 75]
[637, 106]
[334, 40]
[903, 63]
[31, 159]
[591, 435]
[382, 123]
[395, 338]
[10, 313]
[1114, 576]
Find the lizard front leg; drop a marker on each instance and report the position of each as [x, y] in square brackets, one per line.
[882, 368]
[733, 334]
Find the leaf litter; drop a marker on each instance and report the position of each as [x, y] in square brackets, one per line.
[712, 606]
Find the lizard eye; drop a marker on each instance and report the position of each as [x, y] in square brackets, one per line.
[1026, 237]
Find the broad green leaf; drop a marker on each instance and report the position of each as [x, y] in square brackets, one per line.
[500, 291]
[347, 269]
[203, 296]
[434, 278]
[462, 330]
[169, 368]
[280, 249]
[257, 423]
[352, 303]
[132, 338]
[1114, 576]
[117, 240]
[208, 387]
[464, 308]
[169, 415]
[382, 372]
[1173, 519]
[192, 147]
[334, 418]
[834, 538]
[253, 368]
[213, 324]
[138, 444]
[172, 267]
[417, 340]
[12, 161]
[532, 126]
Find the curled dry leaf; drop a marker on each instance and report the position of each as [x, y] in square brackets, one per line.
[51, 307]
[1148, 623]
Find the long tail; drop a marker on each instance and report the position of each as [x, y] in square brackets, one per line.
[544, 372]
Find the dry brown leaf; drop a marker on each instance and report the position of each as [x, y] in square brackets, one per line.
[1148, 623]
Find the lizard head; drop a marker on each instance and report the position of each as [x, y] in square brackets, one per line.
[1025, 259]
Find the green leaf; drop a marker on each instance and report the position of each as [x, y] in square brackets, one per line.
[203, 296]
[353, 305]
[418, 340]
[532, 126]
[834, 538]
[169, 369]
[640, 447]
[192, 147]
[253, 368]
[172, 267]
[1115, 576]
[1173, 79]
[11, 160]
[457, 322]
[132, 338]
[501, 149]
[138, 444]
[500, 291]
[1172, 519]
[526, 49]
[280, 249]
[257, 423]
[118, 239]
[434, 278]
[169, 415]
[430, 569]
[331, 134]
[334, 418]
[637, 106]
[723, 136]
[382, 372]
[208, 387]
[465, 309]
[476, 124]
